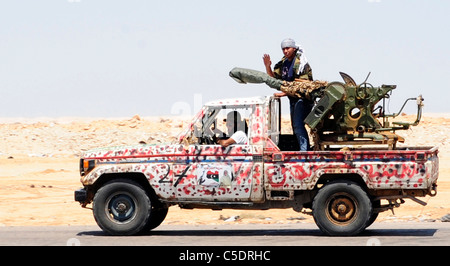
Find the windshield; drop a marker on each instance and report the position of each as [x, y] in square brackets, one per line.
[215, 122]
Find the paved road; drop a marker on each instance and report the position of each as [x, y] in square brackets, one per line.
[384, 234]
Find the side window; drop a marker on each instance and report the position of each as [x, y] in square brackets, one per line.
[231, 119]
[220, 122]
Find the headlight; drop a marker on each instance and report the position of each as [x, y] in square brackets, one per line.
[86, 166]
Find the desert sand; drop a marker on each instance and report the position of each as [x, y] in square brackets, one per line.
[39, 161]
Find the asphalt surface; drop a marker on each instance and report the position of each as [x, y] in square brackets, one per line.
[300, 234]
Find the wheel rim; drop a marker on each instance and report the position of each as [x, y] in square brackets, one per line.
[342, 209]
[121, 207]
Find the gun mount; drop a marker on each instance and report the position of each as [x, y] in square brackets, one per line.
[345, 113]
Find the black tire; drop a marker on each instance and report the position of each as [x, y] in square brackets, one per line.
[342, 208]
[122, 207]
[156, 217]
[374, 216]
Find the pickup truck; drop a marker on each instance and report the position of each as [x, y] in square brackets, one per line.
[132, 187]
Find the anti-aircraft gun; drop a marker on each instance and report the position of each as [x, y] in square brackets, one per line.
[345, 113]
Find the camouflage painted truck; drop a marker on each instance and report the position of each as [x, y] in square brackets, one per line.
[345, 186]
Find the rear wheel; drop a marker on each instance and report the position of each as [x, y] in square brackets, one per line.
[342, 208]
[122, 207]
[374, 216]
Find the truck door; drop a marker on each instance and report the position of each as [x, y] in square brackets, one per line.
[212, 172]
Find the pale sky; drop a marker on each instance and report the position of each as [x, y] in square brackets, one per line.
[111, 58]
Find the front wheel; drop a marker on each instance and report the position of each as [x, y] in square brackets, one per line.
[342, 208]
[122, 207]
[157, 217]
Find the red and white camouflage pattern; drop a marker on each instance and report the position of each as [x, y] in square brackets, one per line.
[195, 172]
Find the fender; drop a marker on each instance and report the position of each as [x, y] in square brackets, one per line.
[101, 169]
[338, 171]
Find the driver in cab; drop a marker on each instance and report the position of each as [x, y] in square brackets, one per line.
[236, 127]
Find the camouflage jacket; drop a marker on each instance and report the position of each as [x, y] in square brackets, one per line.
[306, 74]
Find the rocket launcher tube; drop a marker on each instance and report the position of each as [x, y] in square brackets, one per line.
[298, 88]
[243, 75]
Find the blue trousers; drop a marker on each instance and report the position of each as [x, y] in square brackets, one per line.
[300, 108]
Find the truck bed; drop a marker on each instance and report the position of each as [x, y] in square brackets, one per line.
[380, 168]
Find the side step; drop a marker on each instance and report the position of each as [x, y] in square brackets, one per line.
[279, 195]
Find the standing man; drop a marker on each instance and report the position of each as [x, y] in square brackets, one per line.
[293, 65]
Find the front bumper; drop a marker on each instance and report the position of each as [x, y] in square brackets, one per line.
[80, 195]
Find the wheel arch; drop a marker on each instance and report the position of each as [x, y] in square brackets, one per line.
[329, 177]
[139, 178]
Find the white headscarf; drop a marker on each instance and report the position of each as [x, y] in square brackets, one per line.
[303, 60]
